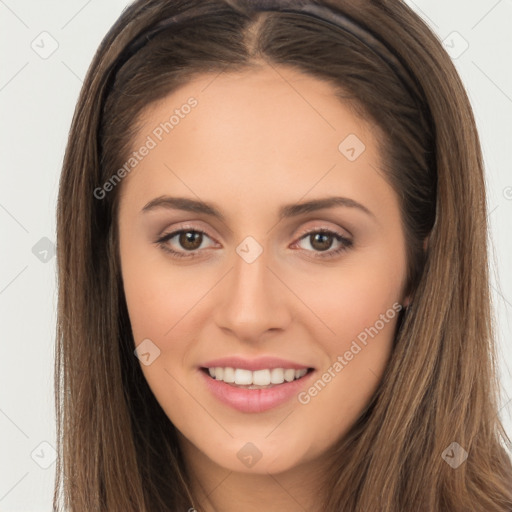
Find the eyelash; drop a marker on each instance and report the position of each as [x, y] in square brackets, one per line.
[328, 254]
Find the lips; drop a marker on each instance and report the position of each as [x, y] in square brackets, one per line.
[254, 398]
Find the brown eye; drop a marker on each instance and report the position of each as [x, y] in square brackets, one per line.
[321, 241]
[183, 243]
[190, 240]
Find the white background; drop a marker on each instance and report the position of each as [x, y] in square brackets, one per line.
[37, 99]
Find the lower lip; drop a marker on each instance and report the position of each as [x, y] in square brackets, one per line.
[255, 400]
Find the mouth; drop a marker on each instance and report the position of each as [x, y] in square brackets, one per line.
[255, 391]
[259, 379]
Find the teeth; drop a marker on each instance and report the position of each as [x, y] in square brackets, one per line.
[277, 376]
[261, 377]
[241, 377]
[229, 375]
[219, 373]
[289, 375]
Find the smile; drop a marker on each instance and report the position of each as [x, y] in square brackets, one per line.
[259, 379]
[255, 391]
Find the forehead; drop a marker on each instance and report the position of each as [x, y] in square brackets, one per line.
[268, 110]
[254, 132]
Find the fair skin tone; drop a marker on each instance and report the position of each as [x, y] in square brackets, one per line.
[256, 141]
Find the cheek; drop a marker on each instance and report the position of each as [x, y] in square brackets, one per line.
[156, 304]
[357, 355]
[351, 298]
[161, 306]
[159, 295]
[357, 308]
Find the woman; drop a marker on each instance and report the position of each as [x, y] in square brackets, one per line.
[273, 289]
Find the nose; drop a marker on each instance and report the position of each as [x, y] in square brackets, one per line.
[252, 301]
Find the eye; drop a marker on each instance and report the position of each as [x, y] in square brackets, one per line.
[188, 239]
[321, 240]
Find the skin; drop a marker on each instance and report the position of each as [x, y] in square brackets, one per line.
[258, 140]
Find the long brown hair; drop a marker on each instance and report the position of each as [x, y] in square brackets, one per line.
[117, 450]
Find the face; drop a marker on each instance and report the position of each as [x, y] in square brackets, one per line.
[283, 258]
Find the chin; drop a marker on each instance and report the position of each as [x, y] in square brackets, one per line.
[259, 456]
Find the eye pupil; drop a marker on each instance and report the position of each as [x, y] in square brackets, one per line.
[321, 237]
[188, 240]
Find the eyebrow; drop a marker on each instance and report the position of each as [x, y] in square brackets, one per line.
[286, 211]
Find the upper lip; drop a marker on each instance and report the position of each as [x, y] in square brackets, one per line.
[259, 363]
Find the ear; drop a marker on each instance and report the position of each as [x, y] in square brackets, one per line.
[407, 301]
